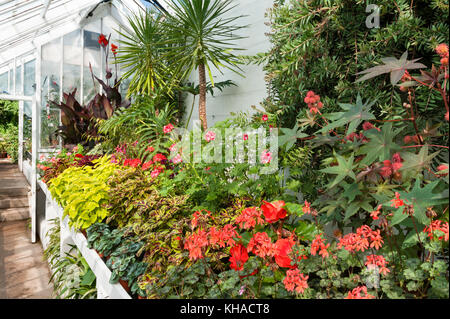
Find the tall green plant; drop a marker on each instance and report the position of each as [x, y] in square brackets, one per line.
[201, 34]
[140, 53]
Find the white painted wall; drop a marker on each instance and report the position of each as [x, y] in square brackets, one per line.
[251, 90]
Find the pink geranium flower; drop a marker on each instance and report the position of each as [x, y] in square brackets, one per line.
[210, 136]
[168, 128]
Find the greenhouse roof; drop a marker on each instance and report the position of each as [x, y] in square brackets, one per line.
[27, 23]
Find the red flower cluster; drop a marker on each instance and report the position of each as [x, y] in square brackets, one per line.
[392, 167]
[102, 40]
[368, 126]
[114, 48]
[273, 211]
[265, 118]
[132, 162]
[159, 158]
[195, 243]
[313, 102]
[318, 245]
[294, 280]
[261, 245]
[355, 137]
[442, 50]
[397, 201]
[378, 261]
[239, 257]
[356, 293]
[364, 238]
[308, 210]
[168, 128]
[147, 165]
[249, 218]
[374, 214]
[437, 225]
[283, 248]
[156, 171]
[214, 237]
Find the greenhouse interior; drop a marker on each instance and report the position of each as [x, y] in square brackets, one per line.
[224, 149]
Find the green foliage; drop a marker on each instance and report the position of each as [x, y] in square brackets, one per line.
[9, 140]
[72, 278]
[9, 117]
[322, 45]
[142, 122]
[83, 192]
[140, 53]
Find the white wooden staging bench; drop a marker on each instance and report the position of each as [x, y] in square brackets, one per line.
[105, 290]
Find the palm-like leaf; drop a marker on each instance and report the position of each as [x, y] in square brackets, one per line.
[206, 36]
[140, 53]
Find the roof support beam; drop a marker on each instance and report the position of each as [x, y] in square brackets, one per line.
[45, 8]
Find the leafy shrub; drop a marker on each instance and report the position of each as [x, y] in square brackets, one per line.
[83, 192]
[72, 278]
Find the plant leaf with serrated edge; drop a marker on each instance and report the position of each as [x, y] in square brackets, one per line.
[422, 198]
[342, 170]
[355, 115]
[391, 65]
[380, 144]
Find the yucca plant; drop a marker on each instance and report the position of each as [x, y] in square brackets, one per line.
[140, 53]
[201, 34]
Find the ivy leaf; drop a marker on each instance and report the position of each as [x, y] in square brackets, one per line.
[355, 115]
[396, 67]
[342, 170]
[380, 145]
[422, 198]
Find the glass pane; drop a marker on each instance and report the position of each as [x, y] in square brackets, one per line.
[92, 56]
[50, 79]
[27, 130]
[4, 83]
[72, 62]
[19, 86]
[29, 77]
[49, 124]
[50, 71]
[11, 81]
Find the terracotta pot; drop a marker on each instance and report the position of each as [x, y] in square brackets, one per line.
[124, 284]
[100, 255]
[3, 155]
[139, 297]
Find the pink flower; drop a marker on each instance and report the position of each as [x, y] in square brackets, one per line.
[210, 136]
[75, 149]
[177, 159]
[245, 137]
[173, 147]
[168, 128]
[266, 157]
[265, 117]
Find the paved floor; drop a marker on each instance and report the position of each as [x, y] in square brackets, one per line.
[23, 272]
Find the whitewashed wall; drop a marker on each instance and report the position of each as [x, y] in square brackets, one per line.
[251, 90]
